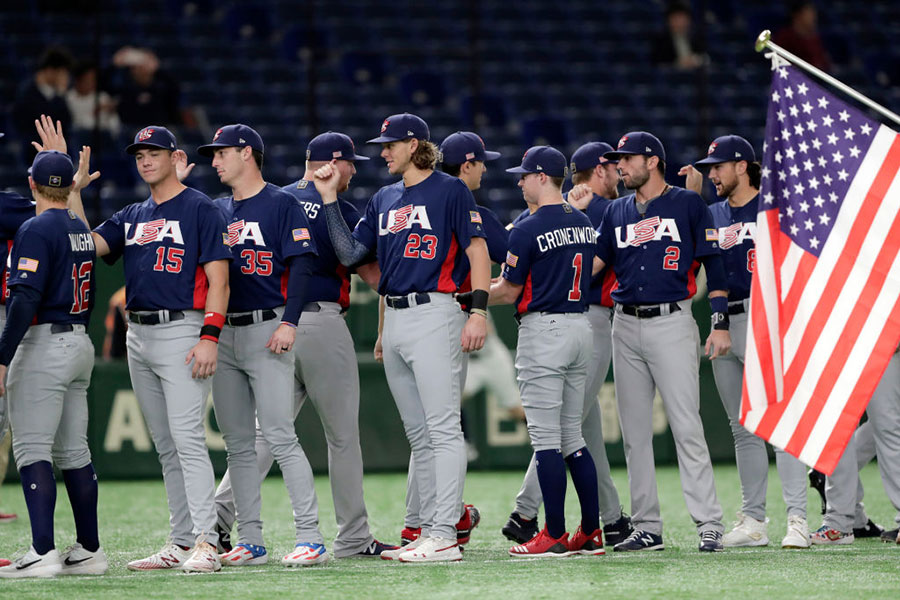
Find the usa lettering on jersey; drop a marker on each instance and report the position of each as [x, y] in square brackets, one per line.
[403, 218]
[565, 236]
[647, 230]
[153, 231]
[241, 231]
[736, 234]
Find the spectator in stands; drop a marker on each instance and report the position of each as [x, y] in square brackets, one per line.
[801, 36]
[148, 94]
[86, 103]
[43, 95]
[678, 45]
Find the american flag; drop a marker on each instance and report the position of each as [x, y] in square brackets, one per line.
[825, 315]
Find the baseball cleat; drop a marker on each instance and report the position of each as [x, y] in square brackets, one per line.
[374, 550]
[747, 532]
[469, 521]
[519, 529]
[5, 562]
[817, 482]
[8, 517]
[203, 559]
[76, 560]
[244, 555]
[543, 545]
[33, 564]
[870, 530]
[591, 545]
[826, 536]
[711, 541]
[409, 534]
[305, 555]
[640, 540]
[890, 536]
[433, 549]
[172, 556]
[393, 554]
[797, 536]
[618, 531]
[223, 546]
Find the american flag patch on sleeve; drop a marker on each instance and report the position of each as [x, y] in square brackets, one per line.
[28, 264]
[300, 234]
[712, 235]
[511, 259]
[475, 215]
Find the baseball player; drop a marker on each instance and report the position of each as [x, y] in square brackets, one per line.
[273, 253]
[547, 276]
[174, 247]
[652, 239]
[419, 228]
[325, 364]
[595, 184]
[49, 355]
[736, 174]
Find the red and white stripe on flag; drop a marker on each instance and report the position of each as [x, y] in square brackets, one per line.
[825, 300]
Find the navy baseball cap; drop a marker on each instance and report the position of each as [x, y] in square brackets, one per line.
[542, 159]
[233, 136]
[590, 155]
[331, 145]
[153, 136]
[53, 169]
[638, 142]
[402, 127]
[464, 146]
[727, 148]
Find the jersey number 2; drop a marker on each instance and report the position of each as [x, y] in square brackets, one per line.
[81, 286]
[414, 241]
[575, 292]
[670, 260]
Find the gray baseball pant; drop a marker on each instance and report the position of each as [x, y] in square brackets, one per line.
[749, 449]
[173, 405]
[663, 352]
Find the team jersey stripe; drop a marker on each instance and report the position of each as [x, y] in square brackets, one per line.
[525, 297]
[201, 287]
[445, 282]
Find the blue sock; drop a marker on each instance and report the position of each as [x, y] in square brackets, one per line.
[81, 484]
[551, 471]
[584, 477]
[39, 486]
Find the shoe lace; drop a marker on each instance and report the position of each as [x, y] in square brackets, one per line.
[635, 535]
[710, 536]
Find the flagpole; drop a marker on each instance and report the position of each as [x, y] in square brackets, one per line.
[764, 41]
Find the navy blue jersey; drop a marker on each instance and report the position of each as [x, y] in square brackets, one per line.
[497, 238]
[420, 234]
[330, 280]
[521, 217]
[654, 255]
[264, 231]
[736, 228]
[164, 247]
[14, 210]
[603, 282]
[551, 254]
[54, 254]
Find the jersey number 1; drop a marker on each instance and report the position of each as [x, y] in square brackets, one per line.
[81, 287]
[575, 292]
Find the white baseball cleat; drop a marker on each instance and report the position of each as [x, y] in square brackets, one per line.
[433, 549]
[747, 532]
[305, 554]
[244, 555]
[394, 554]
[797, 533]
[33, 564]
[78, 561]
[171, 556]
[204, 559]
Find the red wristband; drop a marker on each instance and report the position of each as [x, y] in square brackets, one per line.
[215, 319]
[212, 326]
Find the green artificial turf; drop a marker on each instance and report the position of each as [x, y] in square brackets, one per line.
[134, 523]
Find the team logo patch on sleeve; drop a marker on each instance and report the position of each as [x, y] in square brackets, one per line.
[225, 239]
[300, 234]
[475, 215]
[511, 259]
[28, 264]
[712, 235]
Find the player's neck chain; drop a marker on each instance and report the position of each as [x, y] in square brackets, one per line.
[642, 206]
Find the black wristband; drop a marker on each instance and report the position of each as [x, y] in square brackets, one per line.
[465, 301]
[480, 299]
[720, 321]
[210, 332]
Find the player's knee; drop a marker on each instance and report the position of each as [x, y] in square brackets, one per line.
[571, 443]
[28, 454]
[544, 437]
[66, 460]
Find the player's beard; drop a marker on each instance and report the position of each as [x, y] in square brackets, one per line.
[636, 180]
[727, 189]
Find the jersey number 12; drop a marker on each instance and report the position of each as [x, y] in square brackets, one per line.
[81, 286]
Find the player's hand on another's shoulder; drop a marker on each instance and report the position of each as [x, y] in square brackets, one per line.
[204, 354]
[718, 343]
[83, 176]
[182, 168]
[326, 179]
[474, 333]
[282, 339]
[580, 196]
[693, 179]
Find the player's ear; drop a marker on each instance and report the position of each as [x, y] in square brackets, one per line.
[652, 161]
[413, 145]
[31, 184]
[740, 167]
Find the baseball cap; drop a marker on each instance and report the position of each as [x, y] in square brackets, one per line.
[52, 168]
[332, 144]
[464, 146]
[726, 148]
[590, 155]
[542, 159]
[402, 127]
[638, 142]
[233, 136]
[152, 136]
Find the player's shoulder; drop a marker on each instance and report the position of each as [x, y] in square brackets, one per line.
[302, 189]
[683, 195]
[487, 213]
[277, 194]
[194, 196]
[620, 204]
[9, 199]
[719, 207]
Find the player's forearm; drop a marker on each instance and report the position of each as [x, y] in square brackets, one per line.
[597, 266]
[480, 264]
[348, 249]
[504, 292]
[298, 280]
[76, 205]
[370, 273]
[218, 292]
[380, 314]
[21, 307]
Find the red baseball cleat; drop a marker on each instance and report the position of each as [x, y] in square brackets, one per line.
[592, 545]
[543, 545]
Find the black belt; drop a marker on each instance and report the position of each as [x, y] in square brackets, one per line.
[648, 312]
[736, 308]
[154, 317]
[62, 328]
[241, 320]
[403, 301]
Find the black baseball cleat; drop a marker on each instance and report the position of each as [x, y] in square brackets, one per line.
[711, 541]
[640, 540]
[519, 529]
[890, 536]
[617, 531]
[871, 530]
[224, 543]
[817, 482]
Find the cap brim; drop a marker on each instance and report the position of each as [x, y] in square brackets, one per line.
[491, 155]
[518, 169]
[210, 149]
[383, 139]
[358, 157]
[710, 160]
[133, 148]
[615, 156]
